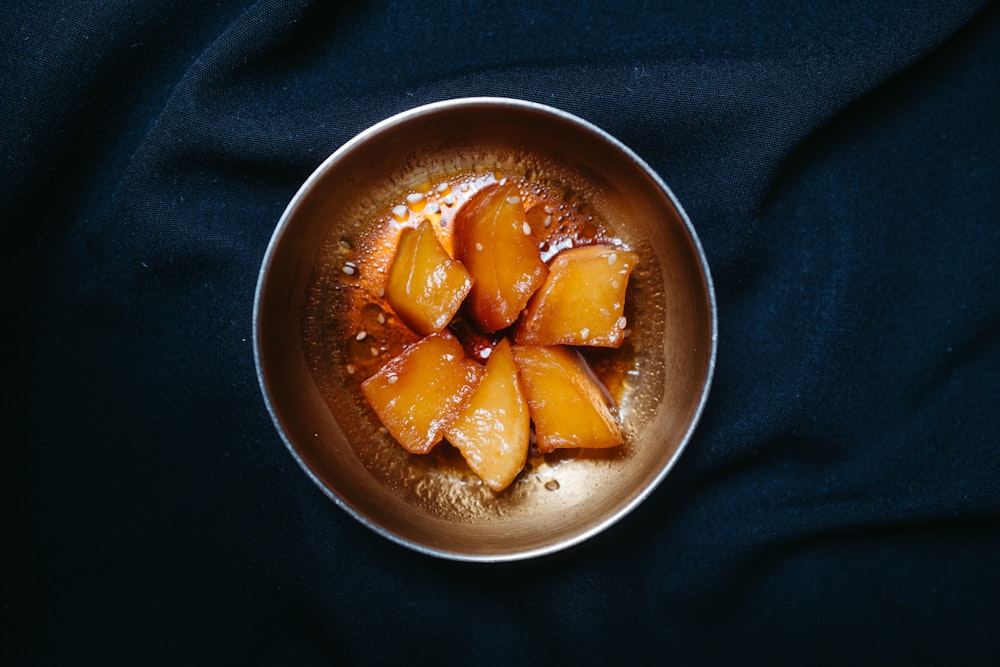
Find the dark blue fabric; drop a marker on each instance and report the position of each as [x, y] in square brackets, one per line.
[840, 502]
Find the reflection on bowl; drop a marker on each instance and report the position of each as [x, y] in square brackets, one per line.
[321, 325]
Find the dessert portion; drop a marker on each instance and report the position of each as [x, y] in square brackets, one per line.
[498, 307]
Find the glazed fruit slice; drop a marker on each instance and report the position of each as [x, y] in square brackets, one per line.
[567, 403]
[493, 241]
[582, 301]
[426, 286]
[418, 394]
[493, 428]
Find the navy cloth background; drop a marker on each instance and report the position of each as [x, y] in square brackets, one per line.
[840, 501]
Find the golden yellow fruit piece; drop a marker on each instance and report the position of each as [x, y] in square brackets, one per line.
[567, 403]
[426, 286]
[582, 301]
[493, 429]
[493, 241]
[418, 394]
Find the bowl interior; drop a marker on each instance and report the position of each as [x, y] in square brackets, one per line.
[433, 503]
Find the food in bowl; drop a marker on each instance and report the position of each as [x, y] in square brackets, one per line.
[492, 314]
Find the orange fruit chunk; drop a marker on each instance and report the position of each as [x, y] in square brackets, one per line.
[582, 301]
[492, 430]
[567, 403]
[418, 394]
[493, 241]
[426, 286]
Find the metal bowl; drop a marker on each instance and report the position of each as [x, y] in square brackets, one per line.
[434, 504]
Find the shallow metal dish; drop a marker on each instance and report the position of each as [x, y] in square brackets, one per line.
[431, 504]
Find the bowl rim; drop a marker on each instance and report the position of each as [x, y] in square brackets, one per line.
[450, 105]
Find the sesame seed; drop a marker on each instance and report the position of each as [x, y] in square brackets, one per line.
[526, 228]
[612, 258]
[393, 379]
[349, 269]
[350, 369]
[400, 213]
[513, 200]
[361, 335]
[479, 247]
[416, 201]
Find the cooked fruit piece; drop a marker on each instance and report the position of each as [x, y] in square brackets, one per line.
[418, 394]
[493, 240]
[582, 301]
[492, 429]
[426, 286]
[567, 403]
